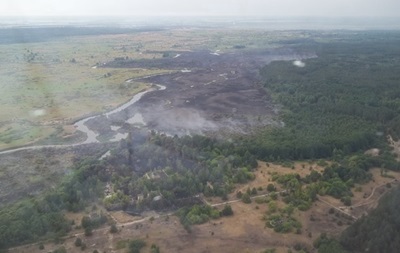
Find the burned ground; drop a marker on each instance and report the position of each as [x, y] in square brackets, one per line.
[30, 172]
[206, 91]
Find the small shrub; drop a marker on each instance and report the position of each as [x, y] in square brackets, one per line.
[88, 231]
[346, 201]
[136, 245]
[246, 198]
[322, 163]
[78, 242]
[154, 249]
[274, 196]
[227, 211]
[297, 246]
[271, 188]
[260, 200]
[113, 229]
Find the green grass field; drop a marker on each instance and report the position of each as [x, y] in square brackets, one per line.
[45, 85]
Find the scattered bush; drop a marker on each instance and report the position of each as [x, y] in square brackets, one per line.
[227, 211]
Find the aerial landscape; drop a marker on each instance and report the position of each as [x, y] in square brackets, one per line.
[199, 134]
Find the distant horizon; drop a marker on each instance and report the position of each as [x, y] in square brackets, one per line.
[268, 8]
[260, 16]
[265, 22]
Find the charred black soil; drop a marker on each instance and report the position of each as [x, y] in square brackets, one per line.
[207, 91]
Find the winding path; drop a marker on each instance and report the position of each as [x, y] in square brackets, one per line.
[81, 125]
[366, 201]
[237, 200]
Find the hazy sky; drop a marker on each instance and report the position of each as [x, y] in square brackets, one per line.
[268, 8]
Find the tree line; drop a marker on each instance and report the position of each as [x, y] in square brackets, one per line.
[346, 99]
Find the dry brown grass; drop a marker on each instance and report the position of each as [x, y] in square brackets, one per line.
[122, 217]
[245, 231]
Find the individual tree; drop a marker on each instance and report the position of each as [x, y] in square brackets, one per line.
[246, 198]
[88, 231]
[86, 222]
[227, 211]
[271, 188]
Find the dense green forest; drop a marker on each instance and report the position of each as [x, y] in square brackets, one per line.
[176, 169]
[347, 98]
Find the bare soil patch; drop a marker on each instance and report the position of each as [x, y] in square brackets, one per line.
[123, 217]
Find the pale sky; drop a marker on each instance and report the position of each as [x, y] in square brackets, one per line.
[267, 8]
